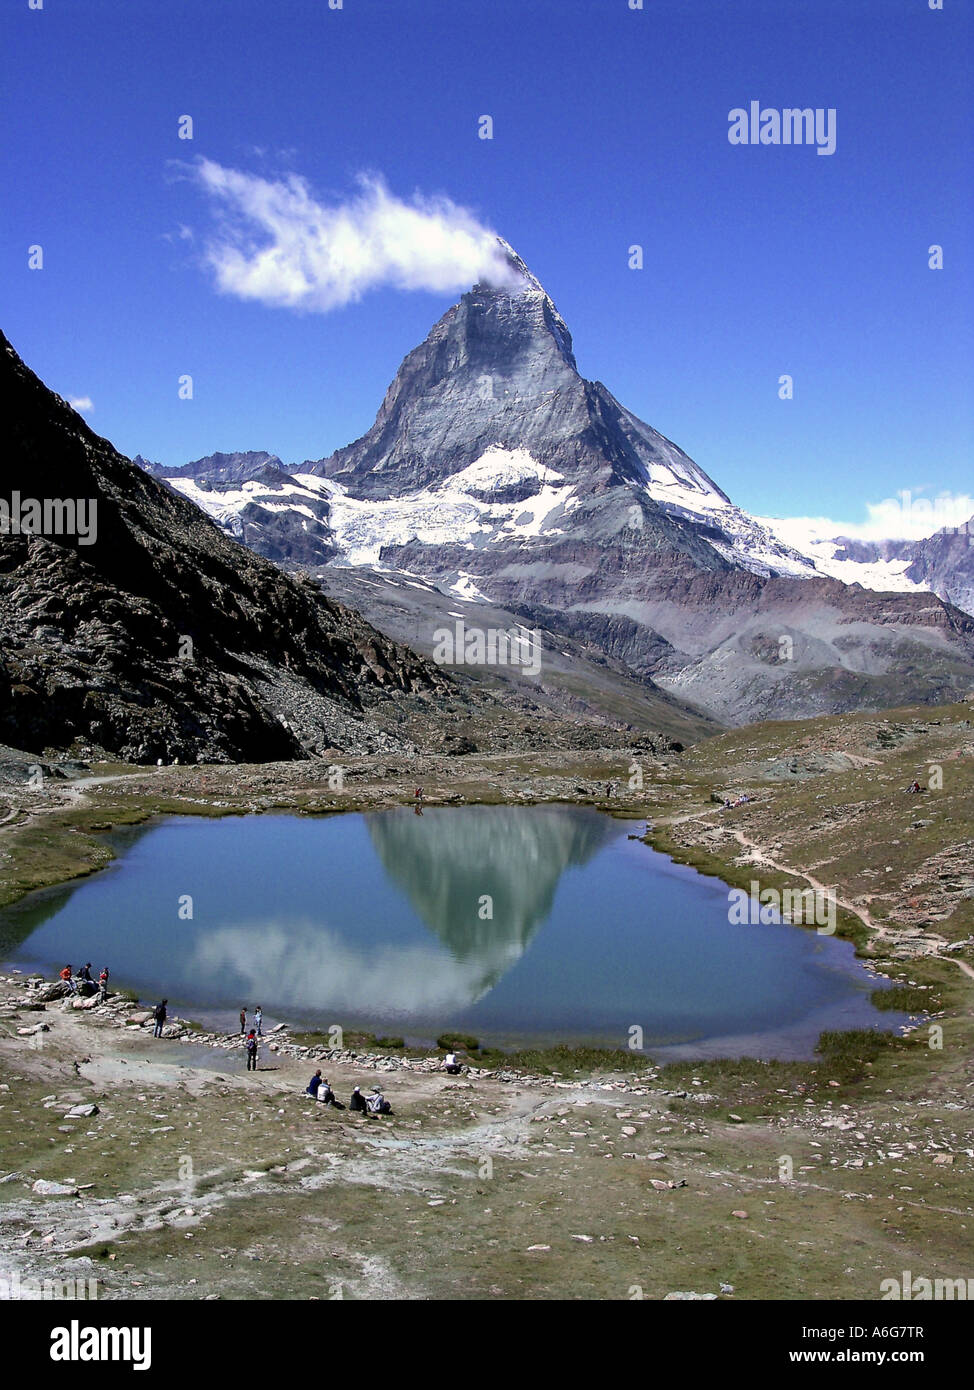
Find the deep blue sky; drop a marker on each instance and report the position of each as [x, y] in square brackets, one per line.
[610, 129]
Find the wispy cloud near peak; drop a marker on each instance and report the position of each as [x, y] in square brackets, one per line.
[275, 242]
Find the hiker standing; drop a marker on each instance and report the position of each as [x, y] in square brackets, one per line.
[103, 985]
[243, 1021]
[258, 1020]
[159, 1014]
[251, 1046]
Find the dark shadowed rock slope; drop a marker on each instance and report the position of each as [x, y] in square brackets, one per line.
[92, 634]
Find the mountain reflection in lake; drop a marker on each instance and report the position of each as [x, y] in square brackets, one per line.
[512, 923]
[459, 866]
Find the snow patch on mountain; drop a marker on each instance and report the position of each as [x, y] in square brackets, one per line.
[745, 540]
[498, 468]
[682, 485]
[883, 575]
[225, 506]
[449, 514]
[464, 587]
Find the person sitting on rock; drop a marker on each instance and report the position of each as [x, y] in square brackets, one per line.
[377, 1103]
[327, 1096]
[357, 1101]
[314, 1083]
[68, 979]
[450, 1064]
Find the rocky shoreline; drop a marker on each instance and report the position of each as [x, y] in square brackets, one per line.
[121, 1013]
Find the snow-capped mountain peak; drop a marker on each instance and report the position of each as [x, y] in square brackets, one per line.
[495, 473]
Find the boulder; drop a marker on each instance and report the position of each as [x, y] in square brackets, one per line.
[43, 1188]
[56, 990]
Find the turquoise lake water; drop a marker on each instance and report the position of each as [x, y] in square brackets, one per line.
[379, 921]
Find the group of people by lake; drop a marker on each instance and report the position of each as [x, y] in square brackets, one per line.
[318, 1087]
[84, 983]
[374, 1103]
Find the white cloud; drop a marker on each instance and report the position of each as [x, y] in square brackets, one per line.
[907, 516]
[82, 403]
[276, 243]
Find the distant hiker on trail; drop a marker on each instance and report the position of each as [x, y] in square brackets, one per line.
[357, 1101]
[451, 1065]
[258, 1020]
[243, 1020]
[251, 1045]
[159, 1014]
[314, 1083]
[103, 984]
[68, 979]
[377, 1103]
